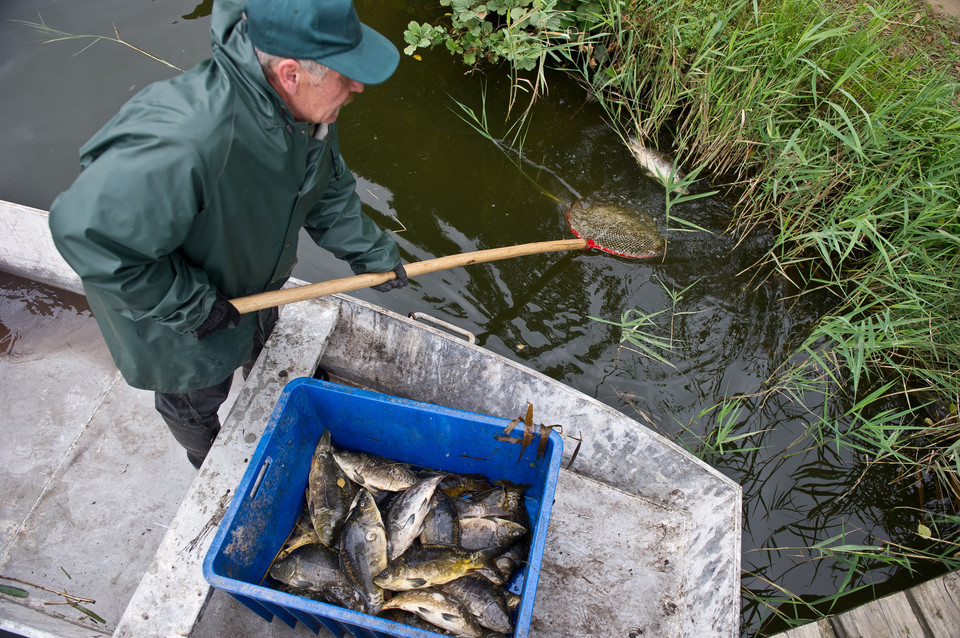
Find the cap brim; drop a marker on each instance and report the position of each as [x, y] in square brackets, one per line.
[370, 62]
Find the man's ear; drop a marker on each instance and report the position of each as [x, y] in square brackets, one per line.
[287, 74]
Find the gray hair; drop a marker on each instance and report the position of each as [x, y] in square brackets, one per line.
[268, 62]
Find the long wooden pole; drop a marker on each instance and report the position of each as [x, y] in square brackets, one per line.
[415, 269]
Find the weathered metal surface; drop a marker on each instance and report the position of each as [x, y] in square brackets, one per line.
[26, 248]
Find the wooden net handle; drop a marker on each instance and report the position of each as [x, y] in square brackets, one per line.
[415, 269]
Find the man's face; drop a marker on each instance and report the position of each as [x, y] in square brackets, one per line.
[321, 101]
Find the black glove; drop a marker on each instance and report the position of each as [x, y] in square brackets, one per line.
[399, 282]
[223, 315]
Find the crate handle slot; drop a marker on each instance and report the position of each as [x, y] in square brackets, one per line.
[260, 476]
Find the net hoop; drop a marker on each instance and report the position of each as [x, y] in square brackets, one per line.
[616, 230]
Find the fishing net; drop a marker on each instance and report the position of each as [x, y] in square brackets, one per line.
[615, 229]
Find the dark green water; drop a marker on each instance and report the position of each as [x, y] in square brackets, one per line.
[422, 169]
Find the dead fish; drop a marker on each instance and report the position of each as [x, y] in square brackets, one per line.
[512, 558]
[658, 165]
[404, 518]
[485, 532]
[425, 567]
[487, 503]
[456, 485]
[441, 526]
[329, 492]
[312, 567]
[375, 472]
[303, 534]
[363, 549]
[483, 599]
[504, 500]
[438, 609]
[512, 498]
[407, 618]
[342, 594]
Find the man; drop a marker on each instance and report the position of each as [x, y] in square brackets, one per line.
[195, 192]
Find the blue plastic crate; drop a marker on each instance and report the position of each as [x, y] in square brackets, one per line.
[270, 496]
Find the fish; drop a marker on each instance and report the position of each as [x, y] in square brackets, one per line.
[425, 567]
[303, 534]
[441, 526]
[329, 492]
[404, 517]
[343, 594]
[311, 567]
[512, 558]
[658, 165]
[456, 485]
[483, 599]
[374, 471]
[485, 532]
[439, 609]
[363, 549]
[512, 497]
[489, 503]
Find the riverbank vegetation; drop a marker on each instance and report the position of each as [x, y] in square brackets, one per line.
[836, 126]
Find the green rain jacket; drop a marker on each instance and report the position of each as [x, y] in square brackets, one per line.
[202, 183]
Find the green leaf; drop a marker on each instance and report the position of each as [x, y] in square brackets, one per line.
[16, 592]
[924, 531]
[88, 612]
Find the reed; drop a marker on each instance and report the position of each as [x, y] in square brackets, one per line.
[843, 138]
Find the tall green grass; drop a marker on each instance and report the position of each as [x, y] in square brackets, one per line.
[840, 134]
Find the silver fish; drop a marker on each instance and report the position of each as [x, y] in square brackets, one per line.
[311, 567]
[363, 549]
[375, 472]
[329, 492]
[438, 609]
[483, 599]
[658, 165]
[405, 515]
[485, 532]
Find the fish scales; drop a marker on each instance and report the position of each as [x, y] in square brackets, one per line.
[363, 549]
[374, 471]
[438, 609]
[483, 599]
[329, 492]
[441, 526]
[656, 164]
[426, 567]
[405, 516]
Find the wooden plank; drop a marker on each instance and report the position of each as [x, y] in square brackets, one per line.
[938, 602]
[890, 617]
[818, 629]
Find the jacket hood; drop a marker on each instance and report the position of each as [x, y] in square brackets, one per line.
[234, 52]
[224, 17]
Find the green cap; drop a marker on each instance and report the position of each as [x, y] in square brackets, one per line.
[327, 31]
